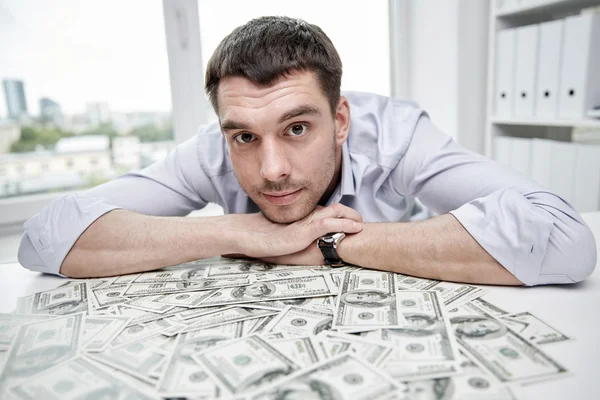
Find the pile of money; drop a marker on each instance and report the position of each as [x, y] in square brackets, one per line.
[240, 329]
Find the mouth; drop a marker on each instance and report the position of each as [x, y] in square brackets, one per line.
[282, 198]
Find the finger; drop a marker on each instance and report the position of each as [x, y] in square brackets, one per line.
[327, 225]
[337, 210]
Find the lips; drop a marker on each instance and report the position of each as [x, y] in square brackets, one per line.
[282, 198]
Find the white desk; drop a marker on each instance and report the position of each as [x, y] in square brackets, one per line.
[572, 309]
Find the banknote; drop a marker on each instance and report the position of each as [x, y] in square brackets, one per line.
[299, 322]
[342, 377]
[64, 300]
[38, 346]
[278, 289]
[146, 289]
[110, 296]
[80, 378]
[98, 332]
[472, 384]
[245, 365]
[190, 274]
[183, 376]
[225, 316]
[186, 299]
[305, 351]
[451, 293]
[247, 268]
[261, 323]
[367, 300]
[138, 332]
[323, 304]
[148, 303]
[10, 323]
[135, 359]
[488, 307]
[371, 351]
[427, 335]
[499, 349]
[532, 328]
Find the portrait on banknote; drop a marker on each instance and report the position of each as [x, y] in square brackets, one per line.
[256, 290]
[477, 327]
[367, 298]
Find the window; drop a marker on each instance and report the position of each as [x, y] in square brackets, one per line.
[98, 72]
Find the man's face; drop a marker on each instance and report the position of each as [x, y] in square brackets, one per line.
[284, 142]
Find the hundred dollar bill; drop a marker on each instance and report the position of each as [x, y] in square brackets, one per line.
[343, 377]
[245, 365]
[323, 304]
[78, 379]
[261, 324]
[138, 332]
[98, 332]
[148, 303]
[371, 351]
[141, 316]
[488, 307]
[135, 359]
[367, 300]
[451, 293]
[299, 322]
[499, 349]
[278, 289]
[60, 301]
[225, 316]
[427, 335]
[110, 296]
[532, 328]
[303, 350]
[247, 268]
[145, 289]
[186, 299]
[195, 312]
[472, 384]
[10, 324]
[183, 376]
[190, 274]
[40, 345]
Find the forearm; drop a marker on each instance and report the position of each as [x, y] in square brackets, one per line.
[122, 242]
[438, 248]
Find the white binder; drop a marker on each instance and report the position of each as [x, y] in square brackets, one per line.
[505, 56]
[548, 71]
[580, 80]
[561, 169]
[541, 159]
[502, 150]
[525, 70]
[586, 178]
[521, 155]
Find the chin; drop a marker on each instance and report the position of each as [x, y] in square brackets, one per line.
[286, 215]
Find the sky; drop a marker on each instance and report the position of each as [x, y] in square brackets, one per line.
[114, 51]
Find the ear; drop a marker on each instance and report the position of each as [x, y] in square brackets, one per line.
[342, 120]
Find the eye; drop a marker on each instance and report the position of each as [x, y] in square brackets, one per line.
[244, 137]
[297, 130]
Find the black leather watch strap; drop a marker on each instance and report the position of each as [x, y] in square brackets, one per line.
[328, 246]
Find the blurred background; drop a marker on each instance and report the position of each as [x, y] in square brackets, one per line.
[93, 89]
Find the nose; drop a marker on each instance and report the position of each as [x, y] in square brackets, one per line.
[275, 164]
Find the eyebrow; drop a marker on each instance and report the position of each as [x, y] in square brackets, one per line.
[229, 125]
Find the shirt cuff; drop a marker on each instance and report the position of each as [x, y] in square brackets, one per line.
[511, 229]
[55, 230]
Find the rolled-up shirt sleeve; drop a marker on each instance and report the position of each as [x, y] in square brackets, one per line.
[532, 232]
[167, 188]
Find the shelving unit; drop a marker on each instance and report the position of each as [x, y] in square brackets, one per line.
[505, 14]
[558, 153]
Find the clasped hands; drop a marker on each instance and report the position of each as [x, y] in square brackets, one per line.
[294, 243]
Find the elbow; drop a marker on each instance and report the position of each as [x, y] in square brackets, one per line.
[581, 257]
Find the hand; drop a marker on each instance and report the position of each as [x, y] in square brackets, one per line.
[257, 237]
[311, 255]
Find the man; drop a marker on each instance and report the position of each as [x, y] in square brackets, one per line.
[317, 165]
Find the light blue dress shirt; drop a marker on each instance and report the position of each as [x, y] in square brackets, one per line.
[393, 156]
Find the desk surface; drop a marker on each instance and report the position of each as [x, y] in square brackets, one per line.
[569, 308]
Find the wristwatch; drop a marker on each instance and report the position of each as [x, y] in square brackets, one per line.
[328, 245]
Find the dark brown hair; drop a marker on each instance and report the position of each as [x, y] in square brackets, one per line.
[267, 48]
